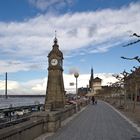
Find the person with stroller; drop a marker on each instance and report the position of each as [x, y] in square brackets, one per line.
[93, 100]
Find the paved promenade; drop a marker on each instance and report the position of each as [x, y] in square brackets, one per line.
[97, 122]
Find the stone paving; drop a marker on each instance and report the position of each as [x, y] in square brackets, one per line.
[97, 122]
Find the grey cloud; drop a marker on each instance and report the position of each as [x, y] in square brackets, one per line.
[72, 33]
[34, 66]
[92, 30]
[14, 63]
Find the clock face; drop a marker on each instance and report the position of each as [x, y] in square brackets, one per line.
[54, 62]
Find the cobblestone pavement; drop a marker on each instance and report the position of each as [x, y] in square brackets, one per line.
[97, 122]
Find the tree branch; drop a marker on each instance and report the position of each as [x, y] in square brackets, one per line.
[134, 34]
[132, 43]
[134, 58]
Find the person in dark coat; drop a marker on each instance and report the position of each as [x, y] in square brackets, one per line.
[93, 100]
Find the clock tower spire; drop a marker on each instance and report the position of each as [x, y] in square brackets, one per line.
[55, 92]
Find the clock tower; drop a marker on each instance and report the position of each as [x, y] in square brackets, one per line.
[55, 92]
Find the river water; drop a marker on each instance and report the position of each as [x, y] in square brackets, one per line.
[20, 101]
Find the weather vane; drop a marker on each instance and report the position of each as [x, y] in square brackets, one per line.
[55, 33]
[55, 39]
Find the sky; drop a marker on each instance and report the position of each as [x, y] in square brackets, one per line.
[90, 34]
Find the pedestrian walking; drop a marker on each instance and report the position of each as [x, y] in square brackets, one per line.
[93, 100]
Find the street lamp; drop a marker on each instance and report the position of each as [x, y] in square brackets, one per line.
[76, 75]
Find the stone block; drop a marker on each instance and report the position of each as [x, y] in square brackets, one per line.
[54, 121]
[53, 126]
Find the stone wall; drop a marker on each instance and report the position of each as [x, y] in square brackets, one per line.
[39, 123]
[22, 131]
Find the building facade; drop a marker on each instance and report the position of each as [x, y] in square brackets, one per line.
[95, 83]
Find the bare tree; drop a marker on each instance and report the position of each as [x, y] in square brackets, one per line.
[121, 83]
[133, 58]
[136, 57]
[136, 80]
[129, 44]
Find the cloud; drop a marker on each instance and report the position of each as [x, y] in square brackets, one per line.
[38, 86]
[14, 66]
[73, 70]
[12, 85]
[44, 5]
[30, 41]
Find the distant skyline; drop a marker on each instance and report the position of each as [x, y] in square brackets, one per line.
[90, 34]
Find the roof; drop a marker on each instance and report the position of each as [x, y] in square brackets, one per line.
[97, 79]
[55, 51]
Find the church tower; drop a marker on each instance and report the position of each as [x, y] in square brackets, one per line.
[55, 92]
[91, 79]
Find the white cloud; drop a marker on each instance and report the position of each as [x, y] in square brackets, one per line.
[12, 85]
[50, 4]
[78, 33]
[38, 86]
[107, 78]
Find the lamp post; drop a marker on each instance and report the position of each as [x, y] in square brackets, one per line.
[76, 75]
